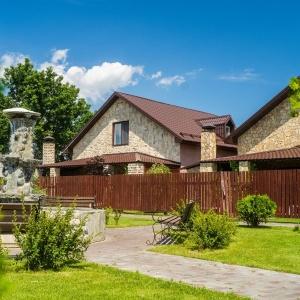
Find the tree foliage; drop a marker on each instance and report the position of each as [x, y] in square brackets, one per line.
[295, 96]
[63, 112]
[4, 124]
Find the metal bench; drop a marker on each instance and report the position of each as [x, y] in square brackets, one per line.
[84, 202]
[162, 236]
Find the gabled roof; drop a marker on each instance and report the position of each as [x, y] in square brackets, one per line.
[182, 122]
[216, 120]
[117, 158]
[276, 100]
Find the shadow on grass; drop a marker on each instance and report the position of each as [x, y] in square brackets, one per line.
[255, 227]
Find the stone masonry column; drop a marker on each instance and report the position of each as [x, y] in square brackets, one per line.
[244, 166]
[136, 168]
[49, 154]
[208, 148]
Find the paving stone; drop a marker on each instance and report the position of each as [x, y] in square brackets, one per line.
[126, 249]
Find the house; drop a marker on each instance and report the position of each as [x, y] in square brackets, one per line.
[269, 139]
[130, 133]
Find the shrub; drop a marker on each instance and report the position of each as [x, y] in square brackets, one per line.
[36, 188]
[159, 169]
[108, 211]
[255, 209]
[51, 239]
[211, 230]
[3, 253]
[179, 210]
[117, 215]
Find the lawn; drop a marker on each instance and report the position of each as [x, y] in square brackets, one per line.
[276, 248]
[285, 220]
[130, 221]
[90, 281]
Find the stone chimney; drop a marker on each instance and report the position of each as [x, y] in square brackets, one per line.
[208, 147]
[49, 153]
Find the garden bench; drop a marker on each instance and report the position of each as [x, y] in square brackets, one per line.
[83, 202]
[162, 236]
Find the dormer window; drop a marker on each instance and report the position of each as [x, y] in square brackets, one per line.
[227, 131]
[120, 133]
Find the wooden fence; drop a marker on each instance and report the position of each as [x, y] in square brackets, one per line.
[218, 190]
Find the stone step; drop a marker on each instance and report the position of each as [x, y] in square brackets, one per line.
[10, 218]
[6, 227]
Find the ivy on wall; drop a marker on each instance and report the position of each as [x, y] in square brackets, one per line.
[294, 97]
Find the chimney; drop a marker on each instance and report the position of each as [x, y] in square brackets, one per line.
[49, 153]
[208, 147]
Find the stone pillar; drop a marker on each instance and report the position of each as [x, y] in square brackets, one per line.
[208, 148]
[244, 166]
[136, 168]
[49, 154]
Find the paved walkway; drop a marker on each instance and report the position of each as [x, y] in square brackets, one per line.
[126, 249]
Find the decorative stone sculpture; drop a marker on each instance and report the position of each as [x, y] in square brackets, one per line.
[18, 167]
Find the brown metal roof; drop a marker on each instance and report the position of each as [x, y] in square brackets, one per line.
[216, 120]
[128, 157]
[282, 154]
[282, 95]
[175, 119]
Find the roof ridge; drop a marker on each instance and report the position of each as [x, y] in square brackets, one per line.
[174, 105]
[217, 117]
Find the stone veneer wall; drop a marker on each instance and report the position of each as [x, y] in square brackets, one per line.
[208, 149]
[208, 145]
[136, 168]
[276, 130]
[145, 135]
[49, 156]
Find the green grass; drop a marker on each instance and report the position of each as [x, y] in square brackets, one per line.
[285, 220]
[129, 222]
[90, 281]
[275, 248]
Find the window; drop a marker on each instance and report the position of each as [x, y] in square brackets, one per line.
[120, 133]
[227, 131]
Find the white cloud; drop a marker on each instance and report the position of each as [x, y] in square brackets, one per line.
[194, 73]
[168, 81]
[96, 82]
[59, 56]
[156, 75]
[10, 59]
[245, 75]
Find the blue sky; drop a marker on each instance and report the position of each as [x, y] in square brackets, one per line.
[217, 56]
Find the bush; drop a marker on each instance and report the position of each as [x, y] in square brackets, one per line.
[255, 209]
[159, 169]
[179, 210]
[51, 239]
[210, 230]
[108, 211]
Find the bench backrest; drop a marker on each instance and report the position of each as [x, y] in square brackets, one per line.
[187, 212]
[86, 202]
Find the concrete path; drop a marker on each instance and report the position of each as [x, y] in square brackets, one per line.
[126, 249]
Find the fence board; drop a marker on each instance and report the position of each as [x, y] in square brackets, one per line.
[219, 191]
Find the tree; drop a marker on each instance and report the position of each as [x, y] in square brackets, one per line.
[63, 112]
[4, 124]
[294, 97]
